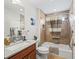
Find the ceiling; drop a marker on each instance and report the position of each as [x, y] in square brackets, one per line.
[14, 7]
[47, 6]
[51, 6]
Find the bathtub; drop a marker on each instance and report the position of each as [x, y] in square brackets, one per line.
[64, 50]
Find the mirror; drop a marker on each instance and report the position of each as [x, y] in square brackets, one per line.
[14, 19]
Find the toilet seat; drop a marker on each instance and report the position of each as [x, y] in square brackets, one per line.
[43, 50]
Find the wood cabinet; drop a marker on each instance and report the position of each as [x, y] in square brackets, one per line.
[27, 53]
[32, 55]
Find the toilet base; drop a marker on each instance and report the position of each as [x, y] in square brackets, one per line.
[42, 56]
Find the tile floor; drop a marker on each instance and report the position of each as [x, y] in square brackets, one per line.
[41, 57]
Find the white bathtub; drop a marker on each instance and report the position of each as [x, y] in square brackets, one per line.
[64, 50]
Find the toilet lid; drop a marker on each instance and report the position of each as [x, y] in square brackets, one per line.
[43, 49]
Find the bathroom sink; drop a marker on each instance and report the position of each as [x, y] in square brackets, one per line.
[17, 46]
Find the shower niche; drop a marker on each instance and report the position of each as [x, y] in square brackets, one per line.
[56, 30]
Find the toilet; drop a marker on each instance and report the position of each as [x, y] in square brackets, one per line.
[41, 49]
[43, 52]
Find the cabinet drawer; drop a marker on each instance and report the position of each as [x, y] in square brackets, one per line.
[24, 52]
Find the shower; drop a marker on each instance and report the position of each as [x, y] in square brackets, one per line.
[57, 28]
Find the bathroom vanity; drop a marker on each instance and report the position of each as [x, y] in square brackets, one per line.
[17, 47]
[24, 50]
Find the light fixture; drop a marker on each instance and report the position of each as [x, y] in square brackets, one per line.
[21, 9]
[63, 18]
[54, 9]
[16, 1]
[51, 0]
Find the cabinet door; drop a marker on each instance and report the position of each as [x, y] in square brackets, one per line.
[32, 55]
[28, 53]
[26, 57]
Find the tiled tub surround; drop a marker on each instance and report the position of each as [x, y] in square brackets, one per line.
[63, 50]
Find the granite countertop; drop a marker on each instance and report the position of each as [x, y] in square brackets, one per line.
[14, 48]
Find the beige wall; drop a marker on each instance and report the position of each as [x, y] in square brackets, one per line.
[41, 17]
